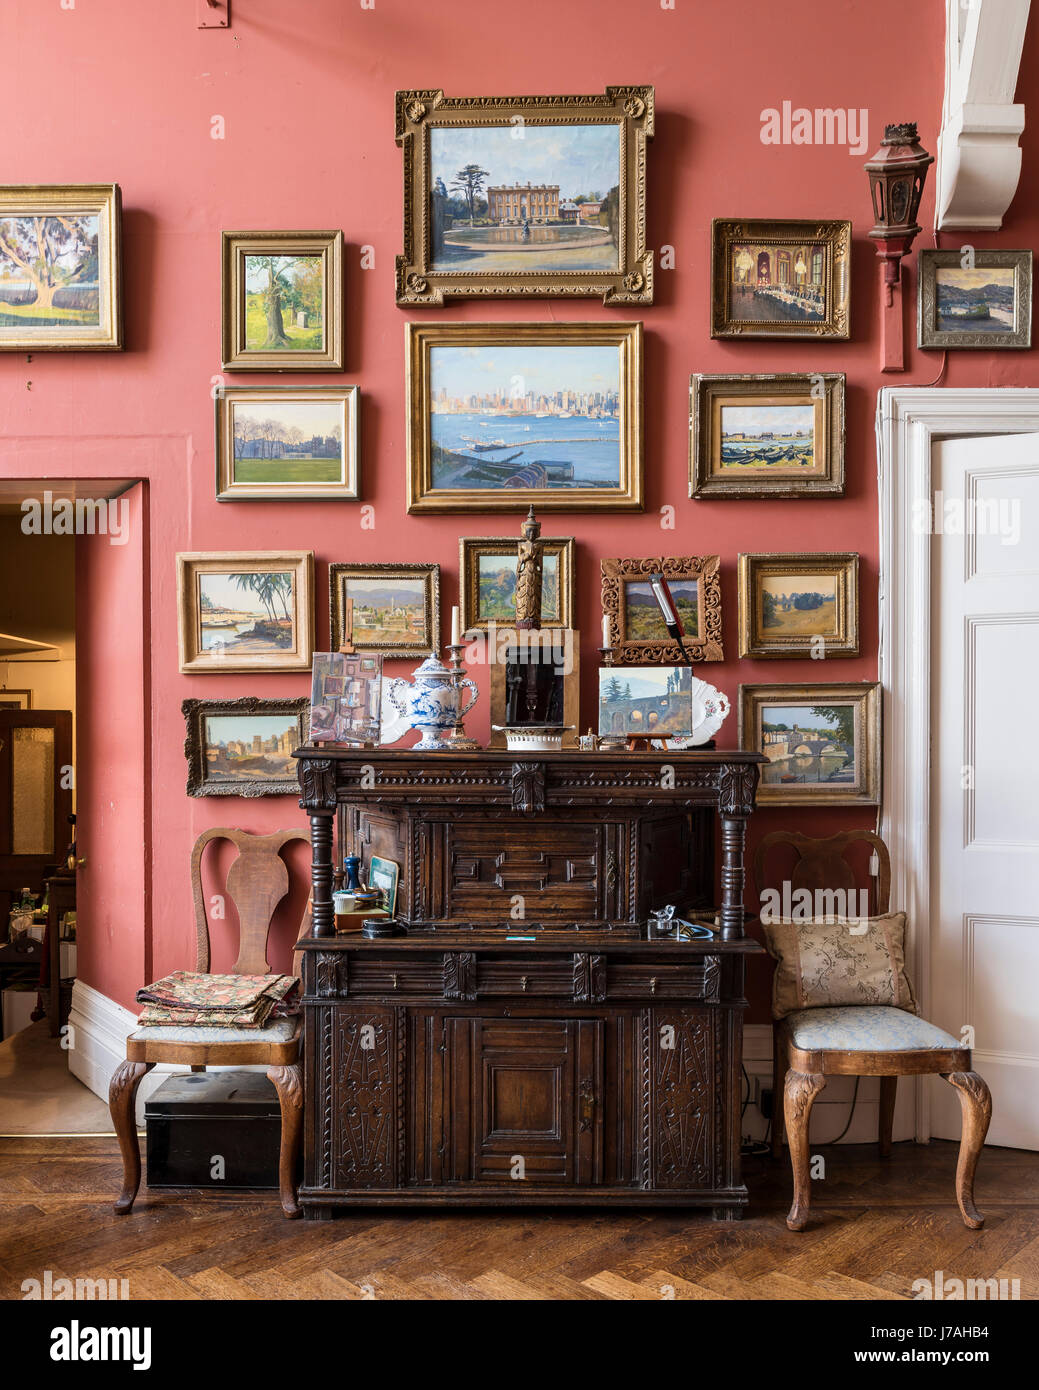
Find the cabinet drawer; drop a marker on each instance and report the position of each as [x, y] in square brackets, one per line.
[552, 979]
[698, 980]
[421, 976]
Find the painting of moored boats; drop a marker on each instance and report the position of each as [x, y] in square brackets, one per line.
[246, 613]
[776, 438]
[526, 417]
[808, 744]
[528, 198]
[978, 299]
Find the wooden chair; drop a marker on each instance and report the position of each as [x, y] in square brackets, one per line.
[812, 1044]
[257, 880]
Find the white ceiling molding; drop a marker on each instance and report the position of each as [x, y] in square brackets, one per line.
[979, 159]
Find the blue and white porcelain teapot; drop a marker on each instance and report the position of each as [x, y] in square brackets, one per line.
[431, 702]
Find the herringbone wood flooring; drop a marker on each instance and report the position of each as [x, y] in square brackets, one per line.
[879, 1225]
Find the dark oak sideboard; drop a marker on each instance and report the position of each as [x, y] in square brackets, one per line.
[524, 1042]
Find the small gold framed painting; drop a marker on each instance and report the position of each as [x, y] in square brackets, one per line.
[282, 301]
[384, 607]
[487, 581]
[780, 435]
[986, 304]
[821, 742]
[780, 279]
[638, 636]
[246, 610]
[60, 268]
[286, 443]
[799, 605]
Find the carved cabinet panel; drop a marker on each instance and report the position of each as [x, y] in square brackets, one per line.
[367, 1084]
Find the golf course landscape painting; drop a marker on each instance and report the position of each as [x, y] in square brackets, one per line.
[509, 423]
[286, 443]
[59, 275]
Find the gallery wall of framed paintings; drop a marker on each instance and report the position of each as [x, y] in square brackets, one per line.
[363, 243]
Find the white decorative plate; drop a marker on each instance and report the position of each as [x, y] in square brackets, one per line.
[710, 709]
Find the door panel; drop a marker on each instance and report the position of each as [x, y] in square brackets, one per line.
[35, 753]
[985, 814]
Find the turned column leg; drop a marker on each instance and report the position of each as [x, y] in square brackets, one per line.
[799, 1093]
[321, 873]
[888, 1094]
[734, 838]
[288, 1082]
[122, 1093]
[976, 1109]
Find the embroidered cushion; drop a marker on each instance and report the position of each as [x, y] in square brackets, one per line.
[873, 1028]
[281, 1030]
[830, 960]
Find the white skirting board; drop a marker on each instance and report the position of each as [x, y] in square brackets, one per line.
[831, 1109]
[97, 1031]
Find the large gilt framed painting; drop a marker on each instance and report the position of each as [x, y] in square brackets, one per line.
[780, 279]
[515, 196]
[505, 415]
[60, 268]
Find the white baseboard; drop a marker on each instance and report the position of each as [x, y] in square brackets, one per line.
[97, 1033]
[830, 1112]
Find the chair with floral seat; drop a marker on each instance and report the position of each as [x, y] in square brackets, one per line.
[867, 1027]
[257, 881]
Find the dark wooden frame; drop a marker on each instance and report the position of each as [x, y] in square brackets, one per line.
[375, 569]
[930, 336]
[195, 713]
[629, 108]
[707, 646]
[837, 237]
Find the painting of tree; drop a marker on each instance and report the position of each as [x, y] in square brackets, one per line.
[49, 270]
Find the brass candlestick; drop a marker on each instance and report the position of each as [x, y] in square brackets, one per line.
[459, 740]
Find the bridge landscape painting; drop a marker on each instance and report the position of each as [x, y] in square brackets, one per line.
[808, 743]
[646, 701]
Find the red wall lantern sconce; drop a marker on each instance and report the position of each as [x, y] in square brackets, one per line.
[896, 180]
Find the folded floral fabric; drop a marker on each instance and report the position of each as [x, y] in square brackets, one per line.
[188, 999]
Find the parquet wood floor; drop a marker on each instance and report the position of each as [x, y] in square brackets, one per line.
[878, 1225]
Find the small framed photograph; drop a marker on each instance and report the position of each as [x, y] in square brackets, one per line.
[390, 609]
[780, 435]
[60, 268]
[487, 581]
[542, 195]
[799, 605]
[780, 279]
[637, 632]
[345, 698]
[987, 304]
[15, 699]
[244, 747]
[245, 610]
[640, 702]
[383, 874]
[505, 415]
[821, 742]
[282, 301]
[286, 443]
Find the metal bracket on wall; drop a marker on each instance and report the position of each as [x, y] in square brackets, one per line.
[213, 14]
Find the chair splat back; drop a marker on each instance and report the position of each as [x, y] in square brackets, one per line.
[821, 863]
[257, 880]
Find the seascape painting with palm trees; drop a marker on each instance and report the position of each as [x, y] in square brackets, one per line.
[250, 612]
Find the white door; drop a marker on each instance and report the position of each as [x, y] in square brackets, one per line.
[985, 774]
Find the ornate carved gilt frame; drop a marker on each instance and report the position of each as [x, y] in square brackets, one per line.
[836, 235]
[630, 108]
[706, 646]
[195, 713]
[930, 336]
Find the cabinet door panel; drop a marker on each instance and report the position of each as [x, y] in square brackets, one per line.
[680, 1066]
[367, 1058]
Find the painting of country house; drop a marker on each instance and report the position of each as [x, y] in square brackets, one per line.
[250, 747]
[777, 438]
[801, 605]
[288, 441]
[251, 612]
[648, 702]
[533, 198]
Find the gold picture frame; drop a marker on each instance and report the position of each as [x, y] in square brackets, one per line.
[761, 465]
[89, 317]
[252, 625]
[466, 354]
[832, 759]
[407, 583]
[254, 463]
[820, 623]
[786, 279]
[527, 208]
[320, 351]
[557, 554]
[630, 645]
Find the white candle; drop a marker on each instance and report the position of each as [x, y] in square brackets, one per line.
[605, 630]
[456, 632]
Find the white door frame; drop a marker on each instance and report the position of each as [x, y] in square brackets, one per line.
[909, 420]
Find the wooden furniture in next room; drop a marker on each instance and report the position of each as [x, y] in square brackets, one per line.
[852, 1040]
[524, 1042]
[257, 880]
[61, 898]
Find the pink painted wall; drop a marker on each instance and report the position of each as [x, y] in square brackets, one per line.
[306, 94]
